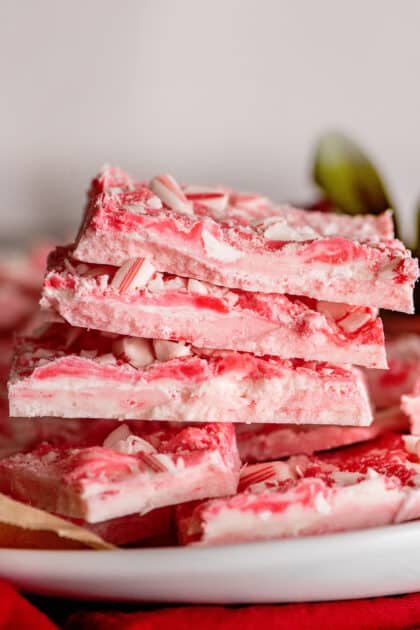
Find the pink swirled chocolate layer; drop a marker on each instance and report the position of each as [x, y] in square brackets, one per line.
[249, 244]
[131, 472]
[264, 442]
[74, 373]
[172, 307]
[364, 486]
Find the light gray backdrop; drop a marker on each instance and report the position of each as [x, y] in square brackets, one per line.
[214, 91]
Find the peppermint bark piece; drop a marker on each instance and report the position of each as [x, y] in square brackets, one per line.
[265, 442]
[250, 244]
[74, 373]
[144, 303]
[386, 387]
[153, 528]
[359, 487]
[128, 474]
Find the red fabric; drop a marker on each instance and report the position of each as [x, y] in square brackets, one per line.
[368, 614]
[17, 613]
[382, 613]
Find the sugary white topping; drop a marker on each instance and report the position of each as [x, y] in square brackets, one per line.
[166, 350]
[136, 351]
[213, 198]
[171, 194]
[220, 251]
[133, 275]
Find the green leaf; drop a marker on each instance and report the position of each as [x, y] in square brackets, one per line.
[348, 178]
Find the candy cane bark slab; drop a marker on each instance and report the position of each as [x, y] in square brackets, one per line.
[155, 527]
[365, 486]
[99, 376]
[172, 307]
[386, 387]
[264, 442]
[130, 474]
[250, 246]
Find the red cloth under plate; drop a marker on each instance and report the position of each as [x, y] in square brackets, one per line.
[366, 614]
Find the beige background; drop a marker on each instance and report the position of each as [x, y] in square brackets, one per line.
[214, 91]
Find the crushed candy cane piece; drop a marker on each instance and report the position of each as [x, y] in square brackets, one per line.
[133, 274]
[213, 198]
[170, 192]
[166, 350]
[136, 351]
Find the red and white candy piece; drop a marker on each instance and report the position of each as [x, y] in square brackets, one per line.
[133, 274]
[123, 440]
[196, 286]
[258, 473]
[167, 350]
[135, 350]
[120, 434]
[248, 201]
[354, 321]
[171, 194]
[212, 198]
[349, 320]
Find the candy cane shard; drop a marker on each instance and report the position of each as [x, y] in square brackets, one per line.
[171, 194]
[167, 350]
[211, 197]
[136, 351]
[249, 201]
[258, 473]
[133, 275]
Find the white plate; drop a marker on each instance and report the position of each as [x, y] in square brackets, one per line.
[381, 561]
